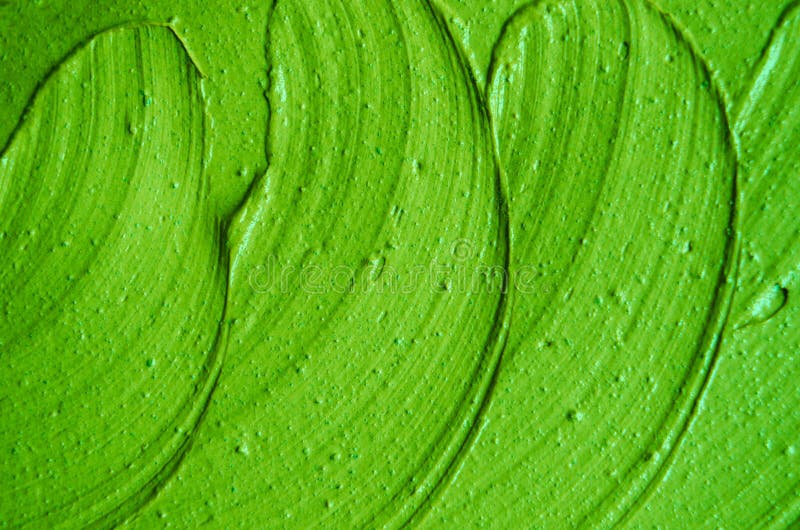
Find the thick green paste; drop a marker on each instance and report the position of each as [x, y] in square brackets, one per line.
[434, 264]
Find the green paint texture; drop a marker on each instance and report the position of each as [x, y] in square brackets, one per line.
[430, 264]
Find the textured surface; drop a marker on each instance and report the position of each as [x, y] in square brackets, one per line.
[442, 264]
[361, 345]
[226, 40]
[112, 287]
[739, 462]
[622, 223]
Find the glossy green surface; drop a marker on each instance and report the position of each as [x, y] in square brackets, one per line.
[441, 264]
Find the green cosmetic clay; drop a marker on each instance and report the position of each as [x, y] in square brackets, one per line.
[389, 264]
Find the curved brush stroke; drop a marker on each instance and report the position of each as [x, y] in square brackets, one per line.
[158, 459]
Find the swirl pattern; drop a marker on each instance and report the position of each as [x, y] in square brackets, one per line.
[465, 264]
